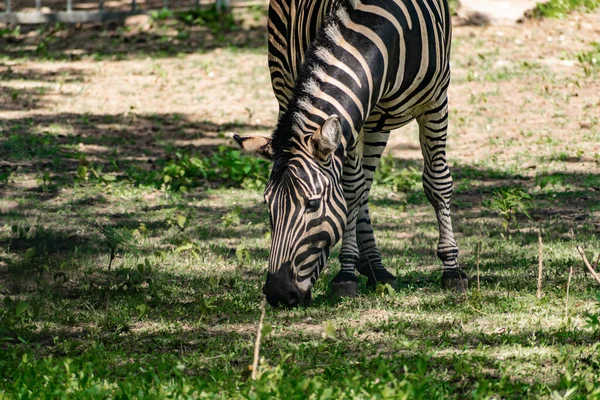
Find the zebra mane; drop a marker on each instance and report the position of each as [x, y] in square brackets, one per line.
[291, 124]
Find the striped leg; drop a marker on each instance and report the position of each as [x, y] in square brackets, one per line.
[359, 248]
[370, 263]
[437, 183]
[355, 193]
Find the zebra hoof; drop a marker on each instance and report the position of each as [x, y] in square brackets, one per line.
[455, 279]
[344, 289]
[383, 277]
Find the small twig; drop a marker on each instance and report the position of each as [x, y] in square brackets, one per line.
[479, 311]
[567, 298]
[595, 265]
[477, 261]
[587, 264]
[112, 257]
[258, 338]
[539, 293]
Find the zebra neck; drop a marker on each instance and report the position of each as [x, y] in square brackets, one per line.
[340, 75]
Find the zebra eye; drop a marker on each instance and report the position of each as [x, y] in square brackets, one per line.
[313, 205]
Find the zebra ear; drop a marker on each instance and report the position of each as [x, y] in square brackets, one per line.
[327, 138]
[255, 144]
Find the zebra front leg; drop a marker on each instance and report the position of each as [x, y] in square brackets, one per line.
[353, 182]
[438, 185]
[370, 263]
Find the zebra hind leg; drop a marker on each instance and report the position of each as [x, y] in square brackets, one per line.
[438, 185]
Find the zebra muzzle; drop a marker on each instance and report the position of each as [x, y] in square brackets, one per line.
[281, 290]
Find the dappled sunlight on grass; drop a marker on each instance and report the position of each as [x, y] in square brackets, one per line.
[91, 167]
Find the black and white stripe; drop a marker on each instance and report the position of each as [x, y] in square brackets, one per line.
[345, 74]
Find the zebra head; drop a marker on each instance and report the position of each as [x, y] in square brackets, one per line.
[306, 206]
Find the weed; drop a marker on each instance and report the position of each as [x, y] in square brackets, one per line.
[508, 203]
[560, 8]
[399, 179]
[590, 60]
[9, 31]
[242, 254]
[227, 166]
[453, 4]
[43, 48]
[213, 18]
[161, 15]
[258, 11]
[116, 239]
[232, 218]
[183, 172]
[7, 177]
[44, 181]
[593, 318]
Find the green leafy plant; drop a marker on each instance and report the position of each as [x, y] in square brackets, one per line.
[242, 254]
[86, 172]
[82, 174]
[115, 239]
[6, 177]
[212, 17]
[44, 181]
[182, 172]
[232, 218]
[508, 203]
[385, 290]
[231, 165]
[399, 179]
[10, 31]
[161, 15]
[561, 8]
[593, 318]
[226, 165]
[590, 60]
[16, 319]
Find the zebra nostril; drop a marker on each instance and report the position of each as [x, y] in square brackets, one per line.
[294, 299]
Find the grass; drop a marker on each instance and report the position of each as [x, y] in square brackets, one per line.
[590, 60]
[561, 8]
[185, 292]
[83, 185]
[453, 4]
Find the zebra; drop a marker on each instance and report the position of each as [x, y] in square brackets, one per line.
[346, 73]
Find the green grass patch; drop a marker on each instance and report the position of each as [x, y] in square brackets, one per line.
[183, 296]
[561, 8]
[453, 4]
[225, 165]
[590, 60]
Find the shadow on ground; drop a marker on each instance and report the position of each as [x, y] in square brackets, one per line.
[58, 143]
[151, 39]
